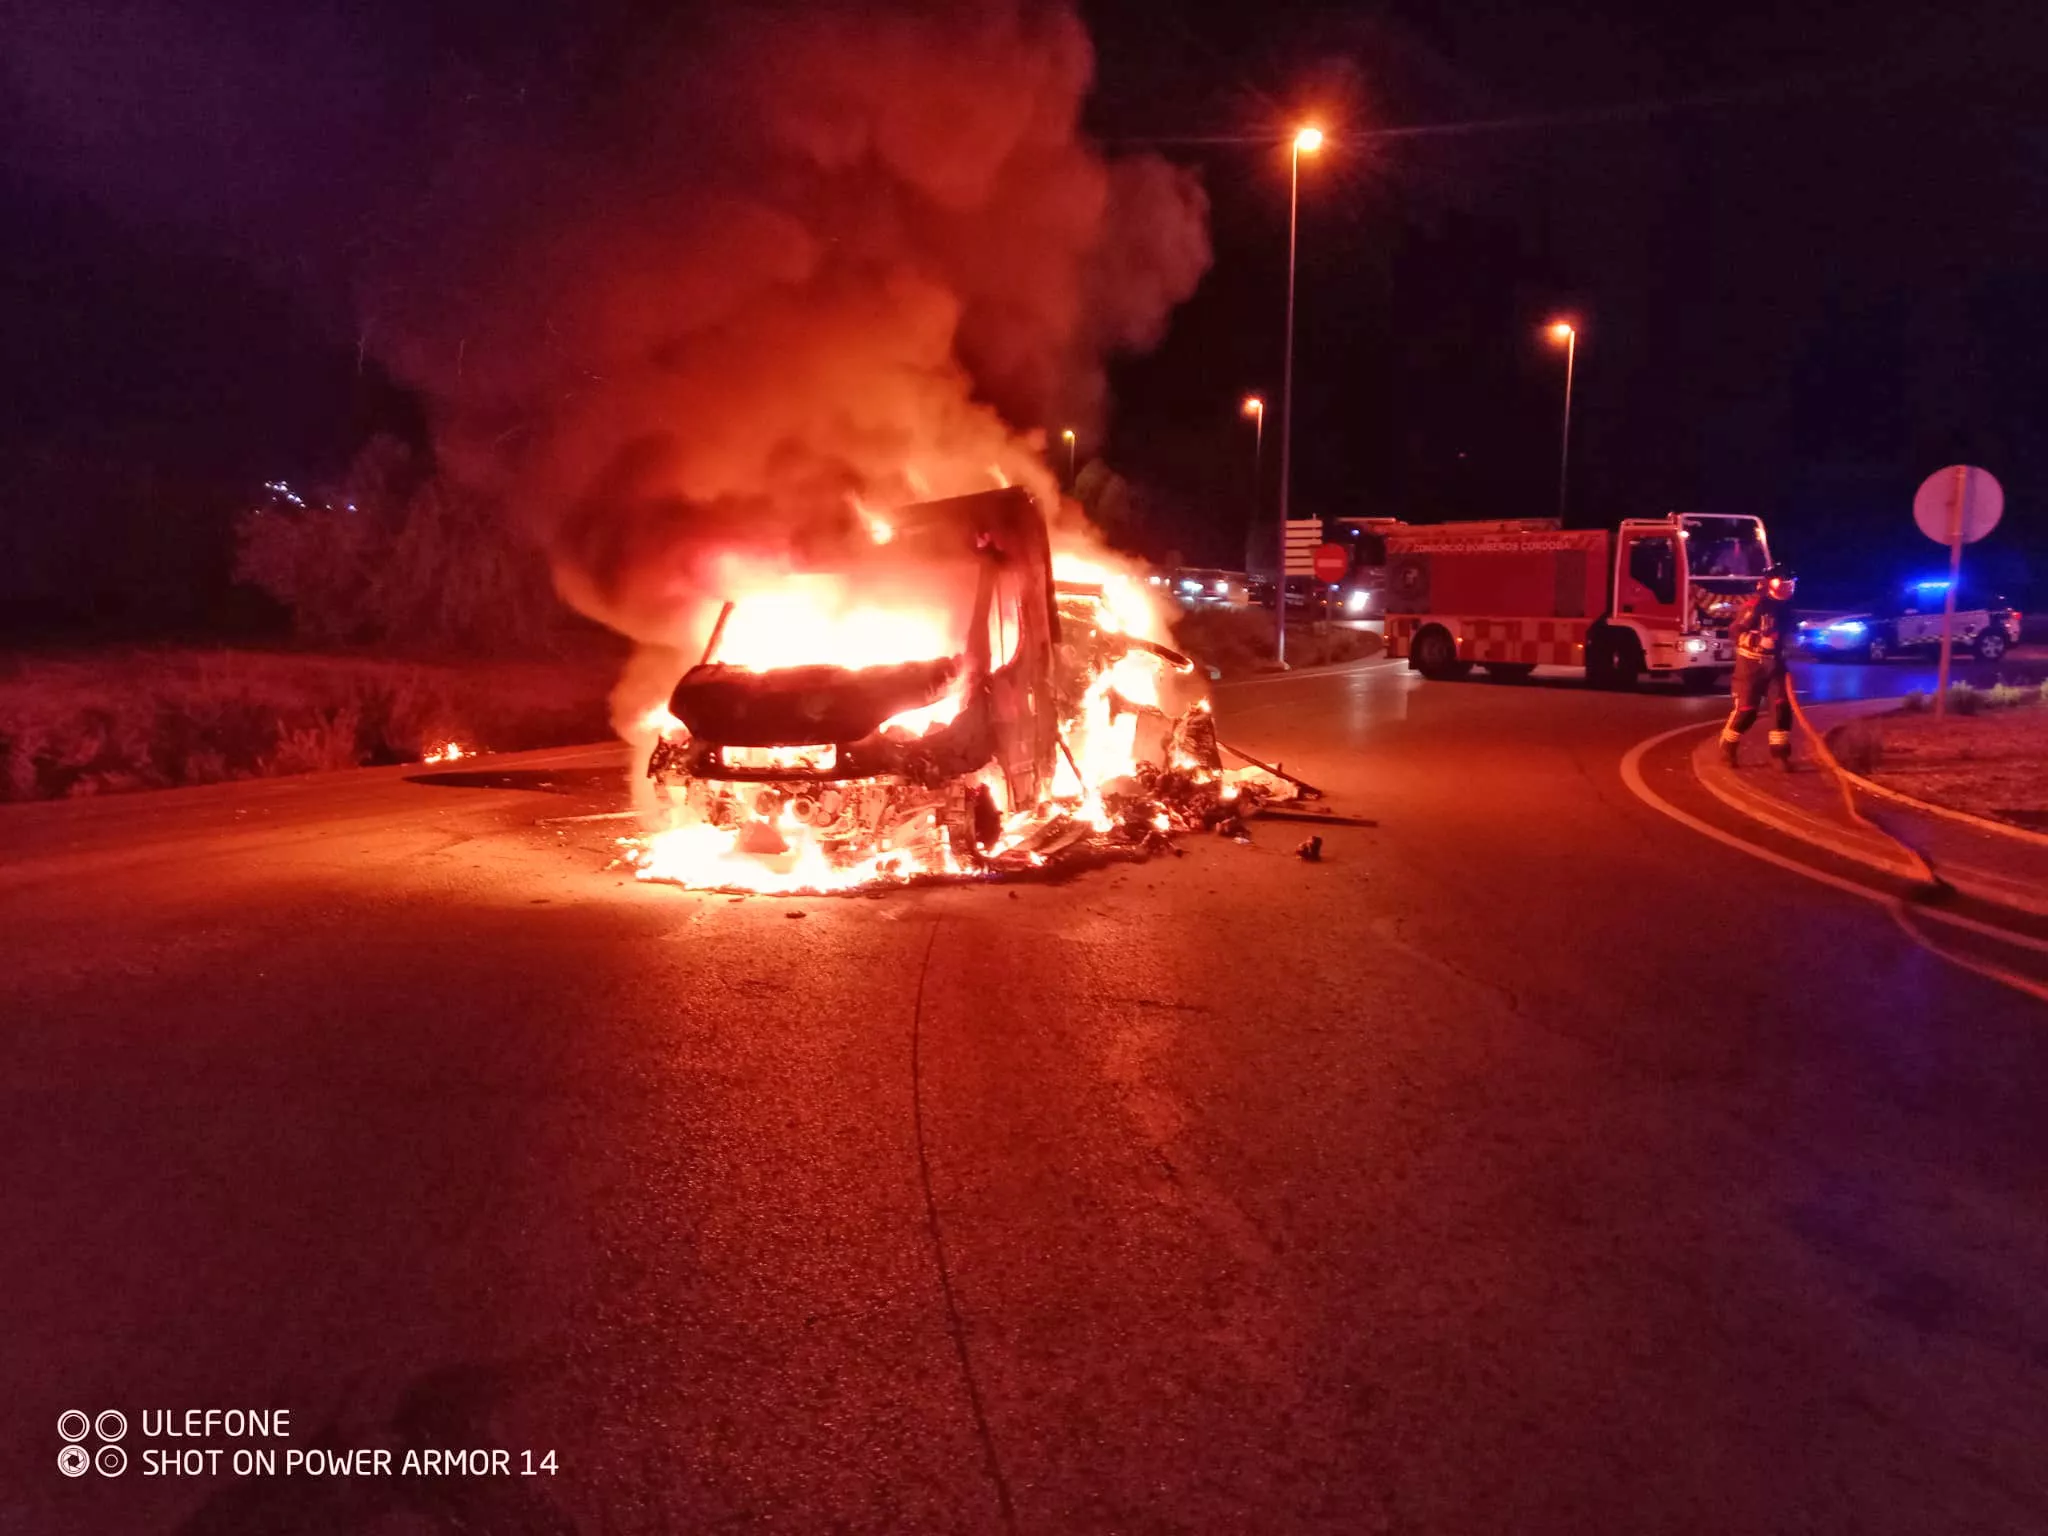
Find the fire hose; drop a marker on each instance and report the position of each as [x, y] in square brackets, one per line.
[1928, 885]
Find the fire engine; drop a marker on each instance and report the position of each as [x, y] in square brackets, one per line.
[1654, 597]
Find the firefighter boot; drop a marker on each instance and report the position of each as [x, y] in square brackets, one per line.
[1730, 747]
[1781, 751]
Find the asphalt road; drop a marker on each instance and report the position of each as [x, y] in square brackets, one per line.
[1531, 1164]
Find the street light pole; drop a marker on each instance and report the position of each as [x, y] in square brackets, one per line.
[1568, 334]
[1069, 436]
[1309, 139]
[1255, 408]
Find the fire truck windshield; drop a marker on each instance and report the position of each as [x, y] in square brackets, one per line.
[1725, 546]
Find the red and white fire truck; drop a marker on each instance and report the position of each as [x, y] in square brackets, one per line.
[1653, 598]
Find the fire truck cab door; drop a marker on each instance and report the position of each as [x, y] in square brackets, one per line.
[1646, 585]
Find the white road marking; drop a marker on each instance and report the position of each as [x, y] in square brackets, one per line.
[1357, 670]
[1632, 777]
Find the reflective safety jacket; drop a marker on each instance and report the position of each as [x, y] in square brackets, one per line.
[1764, 626]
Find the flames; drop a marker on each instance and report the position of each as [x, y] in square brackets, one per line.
[813, 618]
[1136, 757]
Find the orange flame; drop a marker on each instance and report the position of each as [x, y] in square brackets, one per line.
[793, 836]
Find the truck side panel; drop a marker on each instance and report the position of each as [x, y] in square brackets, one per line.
[1524, 597]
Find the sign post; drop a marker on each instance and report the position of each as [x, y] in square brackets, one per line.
[1955, 506]
[1332, 564]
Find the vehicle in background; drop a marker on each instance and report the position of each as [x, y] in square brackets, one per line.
[1362, 594]
[1322, 599]
[1204, 585]
[1986, 625]
[1655, 596]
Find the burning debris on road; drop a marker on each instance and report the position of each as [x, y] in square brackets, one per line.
[925, 698]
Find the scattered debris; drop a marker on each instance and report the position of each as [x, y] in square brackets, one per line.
[804, 753]
[1310, 851]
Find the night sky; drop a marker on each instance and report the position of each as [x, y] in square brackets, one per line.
[1807, 249]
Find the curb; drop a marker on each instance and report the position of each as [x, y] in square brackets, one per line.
[1727, 786]
[1929, 807]
[1873, 851]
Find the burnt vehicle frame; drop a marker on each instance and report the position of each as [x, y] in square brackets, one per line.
[816, 740]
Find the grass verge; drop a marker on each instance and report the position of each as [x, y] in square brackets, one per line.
[1239, 641]
[1988, 757]
[107, 721]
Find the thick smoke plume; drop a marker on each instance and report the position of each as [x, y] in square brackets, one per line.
[797, 255]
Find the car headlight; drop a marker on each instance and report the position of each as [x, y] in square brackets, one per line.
[1354, 601]
[1694, 645]
[1849, 629]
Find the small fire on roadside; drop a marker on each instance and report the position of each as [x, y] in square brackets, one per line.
[447, 752]
[943, 696]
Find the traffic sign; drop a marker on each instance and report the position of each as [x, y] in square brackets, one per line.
[1958, 505]
[1955, 506]
[1332, 562]
[1302, 537]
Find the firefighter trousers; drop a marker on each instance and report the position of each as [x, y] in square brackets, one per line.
[1760, 680]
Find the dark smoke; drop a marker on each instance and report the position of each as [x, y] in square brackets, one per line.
[787, 255]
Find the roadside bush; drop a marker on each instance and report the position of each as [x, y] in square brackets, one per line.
[394, 557]
[332, 739]
[1964, 700]
[1236, 641]
[2009, 696]
[1914, 703]
[124, 720]
[1858, 746]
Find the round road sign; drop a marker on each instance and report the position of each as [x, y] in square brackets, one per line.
[1333, 562]
[1960, 500]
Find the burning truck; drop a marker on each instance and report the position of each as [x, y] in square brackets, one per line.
[919, 694]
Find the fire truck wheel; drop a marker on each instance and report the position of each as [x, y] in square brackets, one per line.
[1436, 655]
[1509, 671]
[1616, 662]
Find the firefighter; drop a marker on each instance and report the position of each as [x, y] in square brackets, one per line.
[1763, 631]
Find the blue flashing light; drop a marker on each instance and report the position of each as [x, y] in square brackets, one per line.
[1933, 584]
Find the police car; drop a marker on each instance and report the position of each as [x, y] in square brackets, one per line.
[1986, 626]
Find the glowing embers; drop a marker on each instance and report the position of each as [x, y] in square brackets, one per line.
[997, 707]
[819, 759]
[788, 839]
[910, 724]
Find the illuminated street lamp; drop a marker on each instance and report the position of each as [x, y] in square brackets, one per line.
[1306, 142]
[1069, 436]
[1255, 408]
[1565, 332]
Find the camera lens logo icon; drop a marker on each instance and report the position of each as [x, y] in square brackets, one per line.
[73, 1459]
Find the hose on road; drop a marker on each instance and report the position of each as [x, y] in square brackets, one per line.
[1929, 887]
